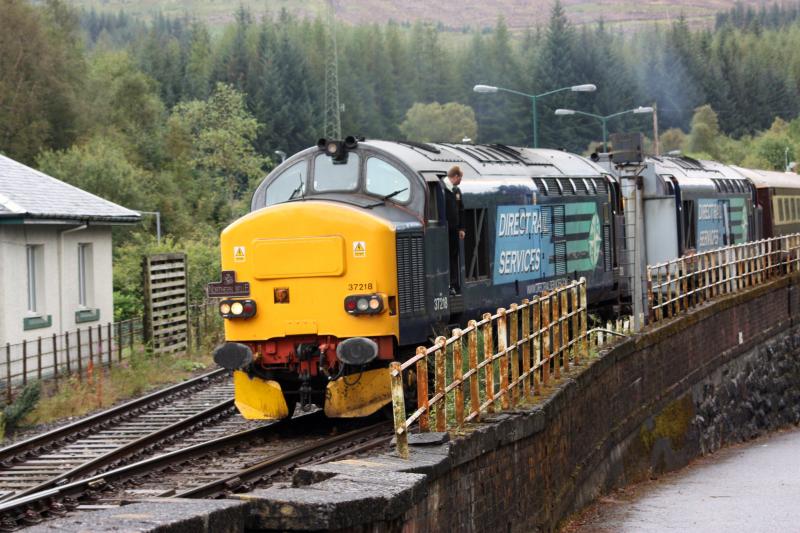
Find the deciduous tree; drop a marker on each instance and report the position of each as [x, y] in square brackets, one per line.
[451, 122]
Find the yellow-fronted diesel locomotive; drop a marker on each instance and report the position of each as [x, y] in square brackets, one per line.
[342, 265]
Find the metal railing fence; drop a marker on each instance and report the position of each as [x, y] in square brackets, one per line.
[74, 352]
[686, 282]
[509, 357]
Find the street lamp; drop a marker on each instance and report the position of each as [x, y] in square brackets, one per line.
[603, 119]
[281, 154]
[585, 88]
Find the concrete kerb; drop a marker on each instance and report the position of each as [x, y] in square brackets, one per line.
[157, 516]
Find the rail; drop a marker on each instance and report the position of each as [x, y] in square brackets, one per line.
[521, 349]
[691, 280]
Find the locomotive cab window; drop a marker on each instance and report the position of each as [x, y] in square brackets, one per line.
[476, 244]
[689, 224]
[432, 207]
[291, 184]
[332, 176]
[384, 179]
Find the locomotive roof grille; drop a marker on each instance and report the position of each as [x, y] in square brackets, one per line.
[685, 162]
[486, 154]
[519, 156]
[689, 163]
[422, 146]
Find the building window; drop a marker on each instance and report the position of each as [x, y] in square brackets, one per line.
[35, 278]
[85, 281]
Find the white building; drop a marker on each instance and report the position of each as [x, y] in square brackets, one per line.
[55, 254]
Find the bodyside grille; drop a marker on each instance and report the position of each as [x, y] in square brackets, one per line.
[410, 273]
[607, 248]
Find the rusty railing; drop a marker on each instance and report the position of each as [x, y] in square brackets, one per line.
[686, 282]
[496, 362]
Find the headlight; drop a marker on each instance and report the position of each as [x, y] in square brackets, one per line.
[237, 308]
[224, 308]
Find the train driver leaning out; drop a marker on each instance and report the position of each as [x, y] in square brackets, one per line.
[455, 223]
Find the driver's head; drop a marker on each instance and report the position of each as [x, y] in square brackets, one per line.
[455, 174]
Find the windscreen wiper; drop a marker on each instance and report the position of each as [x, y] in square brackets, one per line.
[388, 196]
[393, 194]
[294, 192]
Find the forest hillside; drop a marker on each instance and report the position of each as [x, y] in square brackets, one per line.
[168, 114]
[456, 15]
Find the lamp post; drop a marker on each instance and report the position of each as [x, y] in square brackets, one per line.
[604, 119]
[281, 154]
[587, 87]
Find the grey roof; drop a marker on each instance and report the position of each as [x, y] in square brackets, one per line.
[26, 193]
[771, 178]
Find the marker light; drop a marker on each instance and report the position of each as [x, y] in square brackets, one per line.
[364, 304]
[237, 308]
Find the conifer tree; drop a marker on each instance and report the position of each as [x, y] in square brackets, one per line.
[556, 68]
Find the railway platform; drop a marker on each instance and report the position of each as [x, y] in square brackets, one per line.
[751, 487]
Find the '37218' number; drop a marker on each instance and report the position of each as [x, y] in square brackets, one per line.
[440, 303]
[365, 286]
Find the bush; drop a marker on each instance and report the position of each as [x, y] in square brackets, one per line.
[19, 408]
[202, 258]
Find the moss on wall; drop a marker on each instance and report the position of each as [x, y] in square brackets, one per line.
[673, 423]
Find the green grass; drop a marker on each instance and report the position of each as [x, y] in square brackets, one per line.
[137, 374]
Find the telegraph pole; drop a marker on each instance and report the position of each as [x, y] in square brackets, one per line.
[333, 121]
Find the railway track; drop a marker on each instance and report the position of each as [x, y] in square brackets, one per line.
[216, 468]
[119, 435]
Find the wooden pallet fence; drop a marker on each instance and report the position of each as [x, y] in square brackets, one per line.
[689, 281]
[493, 364]
[165, 302]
